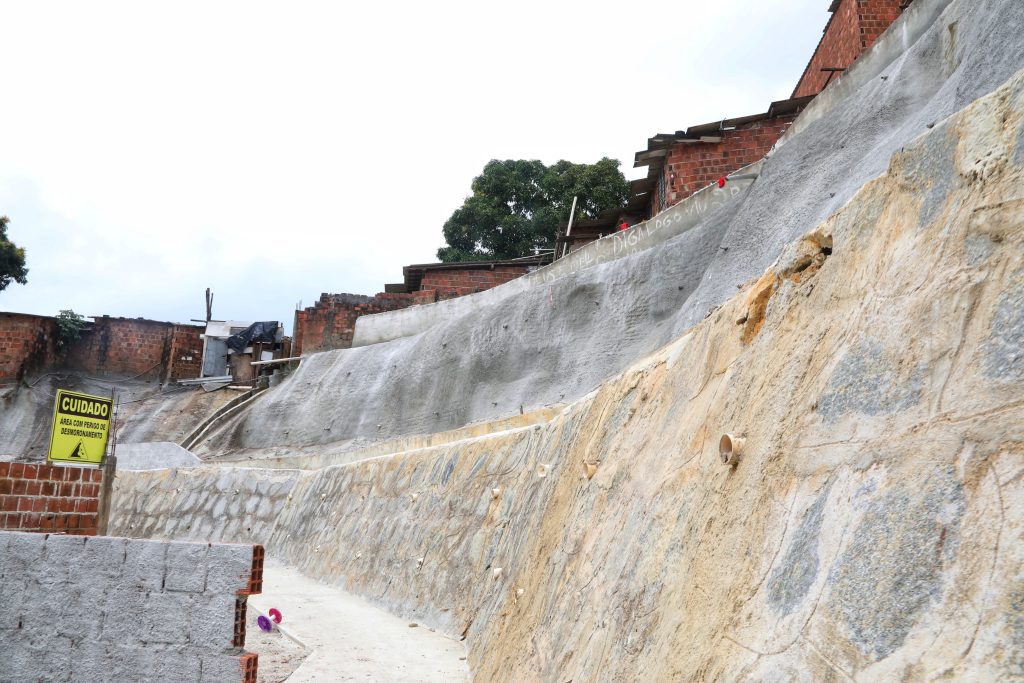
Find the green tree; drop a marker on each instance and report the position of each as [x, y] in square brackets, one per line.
[12, 259]
[516, 206]
[69, 328]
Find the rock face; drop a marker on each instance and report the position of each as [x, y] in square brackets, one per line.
[871, 528]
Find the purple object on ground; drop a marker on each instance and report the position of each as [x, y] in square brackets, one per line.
[264, 623]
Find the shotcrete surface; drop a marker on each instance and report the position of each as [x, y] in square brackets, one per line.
[147, 412]
[154, 456]
[559, 341]
[871, 530]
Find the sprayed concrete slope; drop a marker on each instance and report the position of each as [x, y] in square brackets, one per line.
[871, 530]
[558, 341]
[147, 412]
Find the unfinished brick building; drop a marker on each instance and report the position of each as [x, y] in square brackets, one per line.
[683, 162]
[331, 322]
[148, 349]
[853, 28]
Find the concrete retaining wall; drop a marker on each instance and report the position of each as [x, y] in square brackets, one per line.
[114, 609]
[685, 215]
[233, 504]
[867, 530]
[559, 341]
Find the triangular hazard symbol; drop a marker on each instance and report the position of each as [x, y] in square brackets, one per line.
[79, 451]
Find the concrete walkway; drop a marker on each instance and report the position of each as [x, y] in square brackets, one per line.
[349, 639]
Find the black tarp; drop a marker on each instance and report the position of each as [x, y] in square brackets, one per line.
[257, 332]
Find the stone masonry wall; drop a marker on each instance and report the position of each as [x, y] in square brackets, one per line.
[115, 609]
[49, 498]
[234, 504]
[692, 166]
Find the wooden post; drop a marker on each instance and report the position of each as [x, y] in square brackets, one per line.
[568, 228]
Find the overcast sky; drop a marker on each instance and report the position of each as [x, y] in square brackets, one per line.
[273, 151]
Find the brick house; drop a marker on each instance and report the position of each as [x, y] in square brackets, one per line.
[683, 162]
[149, 349]
[331, 322]
[853, 28]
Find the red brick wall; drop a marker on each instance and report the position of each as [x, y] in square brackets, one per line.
[853, 28]
[331, 322]
[692, 166]
[143, 348]
[449, 284]
[186, 351]
[49, 498]
[119, 346]
[876, 16]
[27, 345]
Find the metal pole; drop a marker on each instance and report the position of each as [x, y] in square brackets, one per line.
[568, 228]
[109, 467]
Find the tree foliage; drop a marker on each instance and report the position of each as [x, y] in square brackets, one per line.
[69, 328]
[12, 259]
[516, 206]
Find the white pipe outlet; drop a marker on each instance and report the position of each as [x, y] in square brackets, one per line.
[730, 447]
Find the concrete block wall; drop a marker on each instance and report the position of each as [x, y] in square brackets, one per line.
[27, 344]
[690, 167]
[116, 609]
[44, 497]
[852, 29]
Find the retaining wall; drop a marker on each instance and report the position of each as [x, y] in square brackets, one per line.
[115, 609]
[234, 504]
[876, 382]
[680, 218]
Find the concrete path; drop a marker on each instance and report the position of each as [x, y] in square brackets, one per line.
[351, 640]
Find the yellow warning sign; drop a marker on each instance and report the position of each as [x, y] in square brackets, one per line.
[80, 426]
